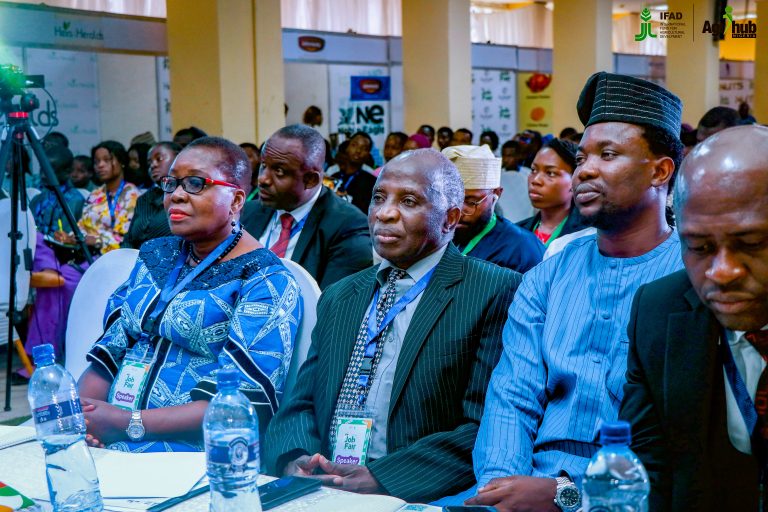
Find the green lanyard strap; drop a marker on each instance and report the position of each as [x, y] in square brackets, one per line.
[472, 243]
[555, 232]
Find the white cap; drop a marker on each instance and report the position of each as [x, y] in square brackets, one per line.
[479, 168]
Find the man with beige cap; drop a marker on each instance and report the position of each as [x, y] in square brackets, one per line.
[481, 233]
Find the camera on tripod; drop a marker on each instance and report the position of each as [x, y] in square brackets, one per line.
[13, 82]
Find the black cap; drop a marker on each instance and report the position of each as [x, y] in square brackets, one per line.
[610, 97]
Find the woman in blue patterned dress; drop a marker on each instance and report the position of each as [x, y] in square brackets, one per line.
[208, 298]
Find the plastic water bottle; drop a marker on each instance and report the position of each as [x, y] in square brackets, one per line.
[72, 481]
[232, 448]
[616, 480]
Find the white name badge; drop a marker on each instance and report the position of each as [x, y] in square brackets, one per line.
[127, 388]
[352, 438]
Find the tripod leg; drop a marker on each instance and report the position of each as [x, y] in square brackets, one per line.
[14, 235]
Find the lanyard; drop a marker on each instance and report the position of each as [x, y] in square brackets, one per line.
[739, 388]
[172, 288]
[487, 229]
[112, 203]
[295, 229]
[374, 331]
[555, 233]
[349, 180]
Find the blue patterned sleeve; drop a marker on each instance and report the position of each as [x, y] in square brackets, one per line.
[516, 395]
[262, 332]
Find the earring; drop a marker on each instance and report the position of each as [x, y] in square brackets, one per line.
[234, 229]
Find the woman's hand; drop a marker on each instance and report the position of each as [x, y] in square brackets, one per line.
[65, 238]
[105, 423]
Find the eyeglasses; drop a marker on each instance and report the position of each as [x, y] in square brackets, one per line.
[470, 207]
[190, 184]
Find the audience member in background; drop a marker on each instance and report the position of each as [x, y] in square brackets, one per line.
[513, 157]
[137, 170]
[549, 190]
[55, 138]
[416, 141]
[150, 219]
[444, 136]
[48, 214]
[393, 146]
[356, 179]
[187, 135]
[54, 280]
[109, 209]
[567, 132]
[82, 173]
[701, 434]
[313, 116]
[428, 131]
[299, 219]
[744, 115]
[530, 144]
[715, 120]
[254, 157]
[688, 138]
[515, 204]
[565, 346]
[461, 137]
[480, 233]
[490, 139]
[421, 376]
[238, 305]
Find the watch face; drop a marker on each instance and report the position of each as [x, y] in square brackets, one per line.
[135, 431]
[569, 497]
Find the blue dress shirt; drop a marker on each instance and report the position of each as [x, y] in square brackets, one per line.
[563, 368]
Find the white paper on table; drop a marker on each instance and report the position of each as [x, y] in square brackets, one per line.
[11, 436]
[147, 475]
[121, 475]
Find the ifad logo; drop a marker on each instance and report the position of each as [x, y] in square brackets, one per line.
[646, 30]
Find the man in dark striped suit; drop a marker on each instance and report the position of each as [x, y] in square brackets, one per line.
[407, 347]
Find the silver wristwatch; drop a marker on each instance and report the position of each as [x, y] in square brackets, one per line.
[567, 495]
[135, 428]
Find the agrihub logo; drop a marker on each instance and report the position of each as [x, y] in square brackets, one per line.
[727, 25]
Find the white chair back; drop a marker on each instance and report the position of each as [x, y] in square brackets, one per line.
[86, 312]
[28, 240]
[310, 293]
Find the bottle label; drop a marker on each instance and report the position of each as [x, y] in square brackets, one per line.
[237, 453]
[57, 411]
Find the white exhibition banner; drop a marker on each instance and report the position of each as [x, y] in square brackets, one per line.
[494, 106]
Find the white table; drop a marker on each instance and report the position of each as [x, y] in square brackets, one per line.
[23, 468]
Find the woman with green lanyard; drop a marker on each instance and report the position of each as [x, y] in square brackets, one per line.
[549, 188]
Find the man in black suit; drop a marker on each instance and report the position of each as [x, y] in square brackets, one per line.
[299, 219]
[696, 391]
[411, 352]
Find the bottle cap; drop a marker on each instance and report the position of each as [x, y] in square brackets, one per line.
[228, 378]
[43, 354]
[615, 432]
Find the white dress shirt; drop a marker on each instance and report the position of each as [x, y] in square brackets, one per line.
[750, 365]
[272, 234]
[380, 393]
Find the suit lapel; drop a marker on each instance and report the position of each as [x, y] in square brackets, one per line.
[258, 221]
[434, 300]
[691, 363]
[310, 226]
[353, 306]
